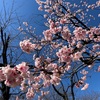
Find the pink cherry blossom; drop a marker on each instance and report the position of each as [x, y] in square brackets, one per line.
[66, 34]
[2, 76]
[79, 83]
[77, 56]
[38, 62]
[25, 23]
[98, 69]
[27, 46]
[63, 54]
[80, 33]
[84, 72]
[85, 86]
[83, 78]
[30, 94]
[48, 35]
[23, 68]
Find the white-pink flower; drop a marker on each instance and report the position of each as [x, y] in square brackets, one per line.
[64, 54]
[67, 68]
[25, 23]
[47, 35]
[85, 86]
[30, 94]
[27, 46]
[98, 69]
[77, 55]
[84, 72]
[83, 78]
[23, 68]
[38, 62]
[2, 76]
[80, 33]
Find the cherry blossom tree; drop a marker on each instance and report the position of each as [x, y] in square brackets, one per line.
[64, 56]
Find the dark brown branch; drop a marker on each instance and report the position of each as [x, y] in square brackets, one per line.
[75, 18]
[58, 91]
[72, 88]
[2, 36]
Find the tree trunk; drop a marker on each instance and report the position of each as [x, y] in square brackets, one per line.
[5, 91]
[5, 41]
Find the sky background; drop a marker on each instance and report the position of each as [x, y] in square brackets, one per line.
[27, 10]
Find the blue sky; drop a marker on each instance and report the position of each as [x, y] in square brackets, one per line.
[22, 7]
[27, 10]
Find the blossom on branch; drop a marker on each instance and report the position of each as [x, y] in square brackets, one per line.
[27, 46]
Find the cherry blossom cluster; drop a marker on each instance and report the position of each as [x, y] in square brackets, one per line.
[80, 34]
[14, 76]
[20, 75]
[64, 54]
[53, 29]
[27, 46]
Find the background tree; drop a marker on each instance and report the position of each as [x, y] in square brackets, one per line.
[10, 52]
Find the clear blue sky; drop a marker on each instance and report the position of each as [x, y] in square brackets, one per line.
[28, 11]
